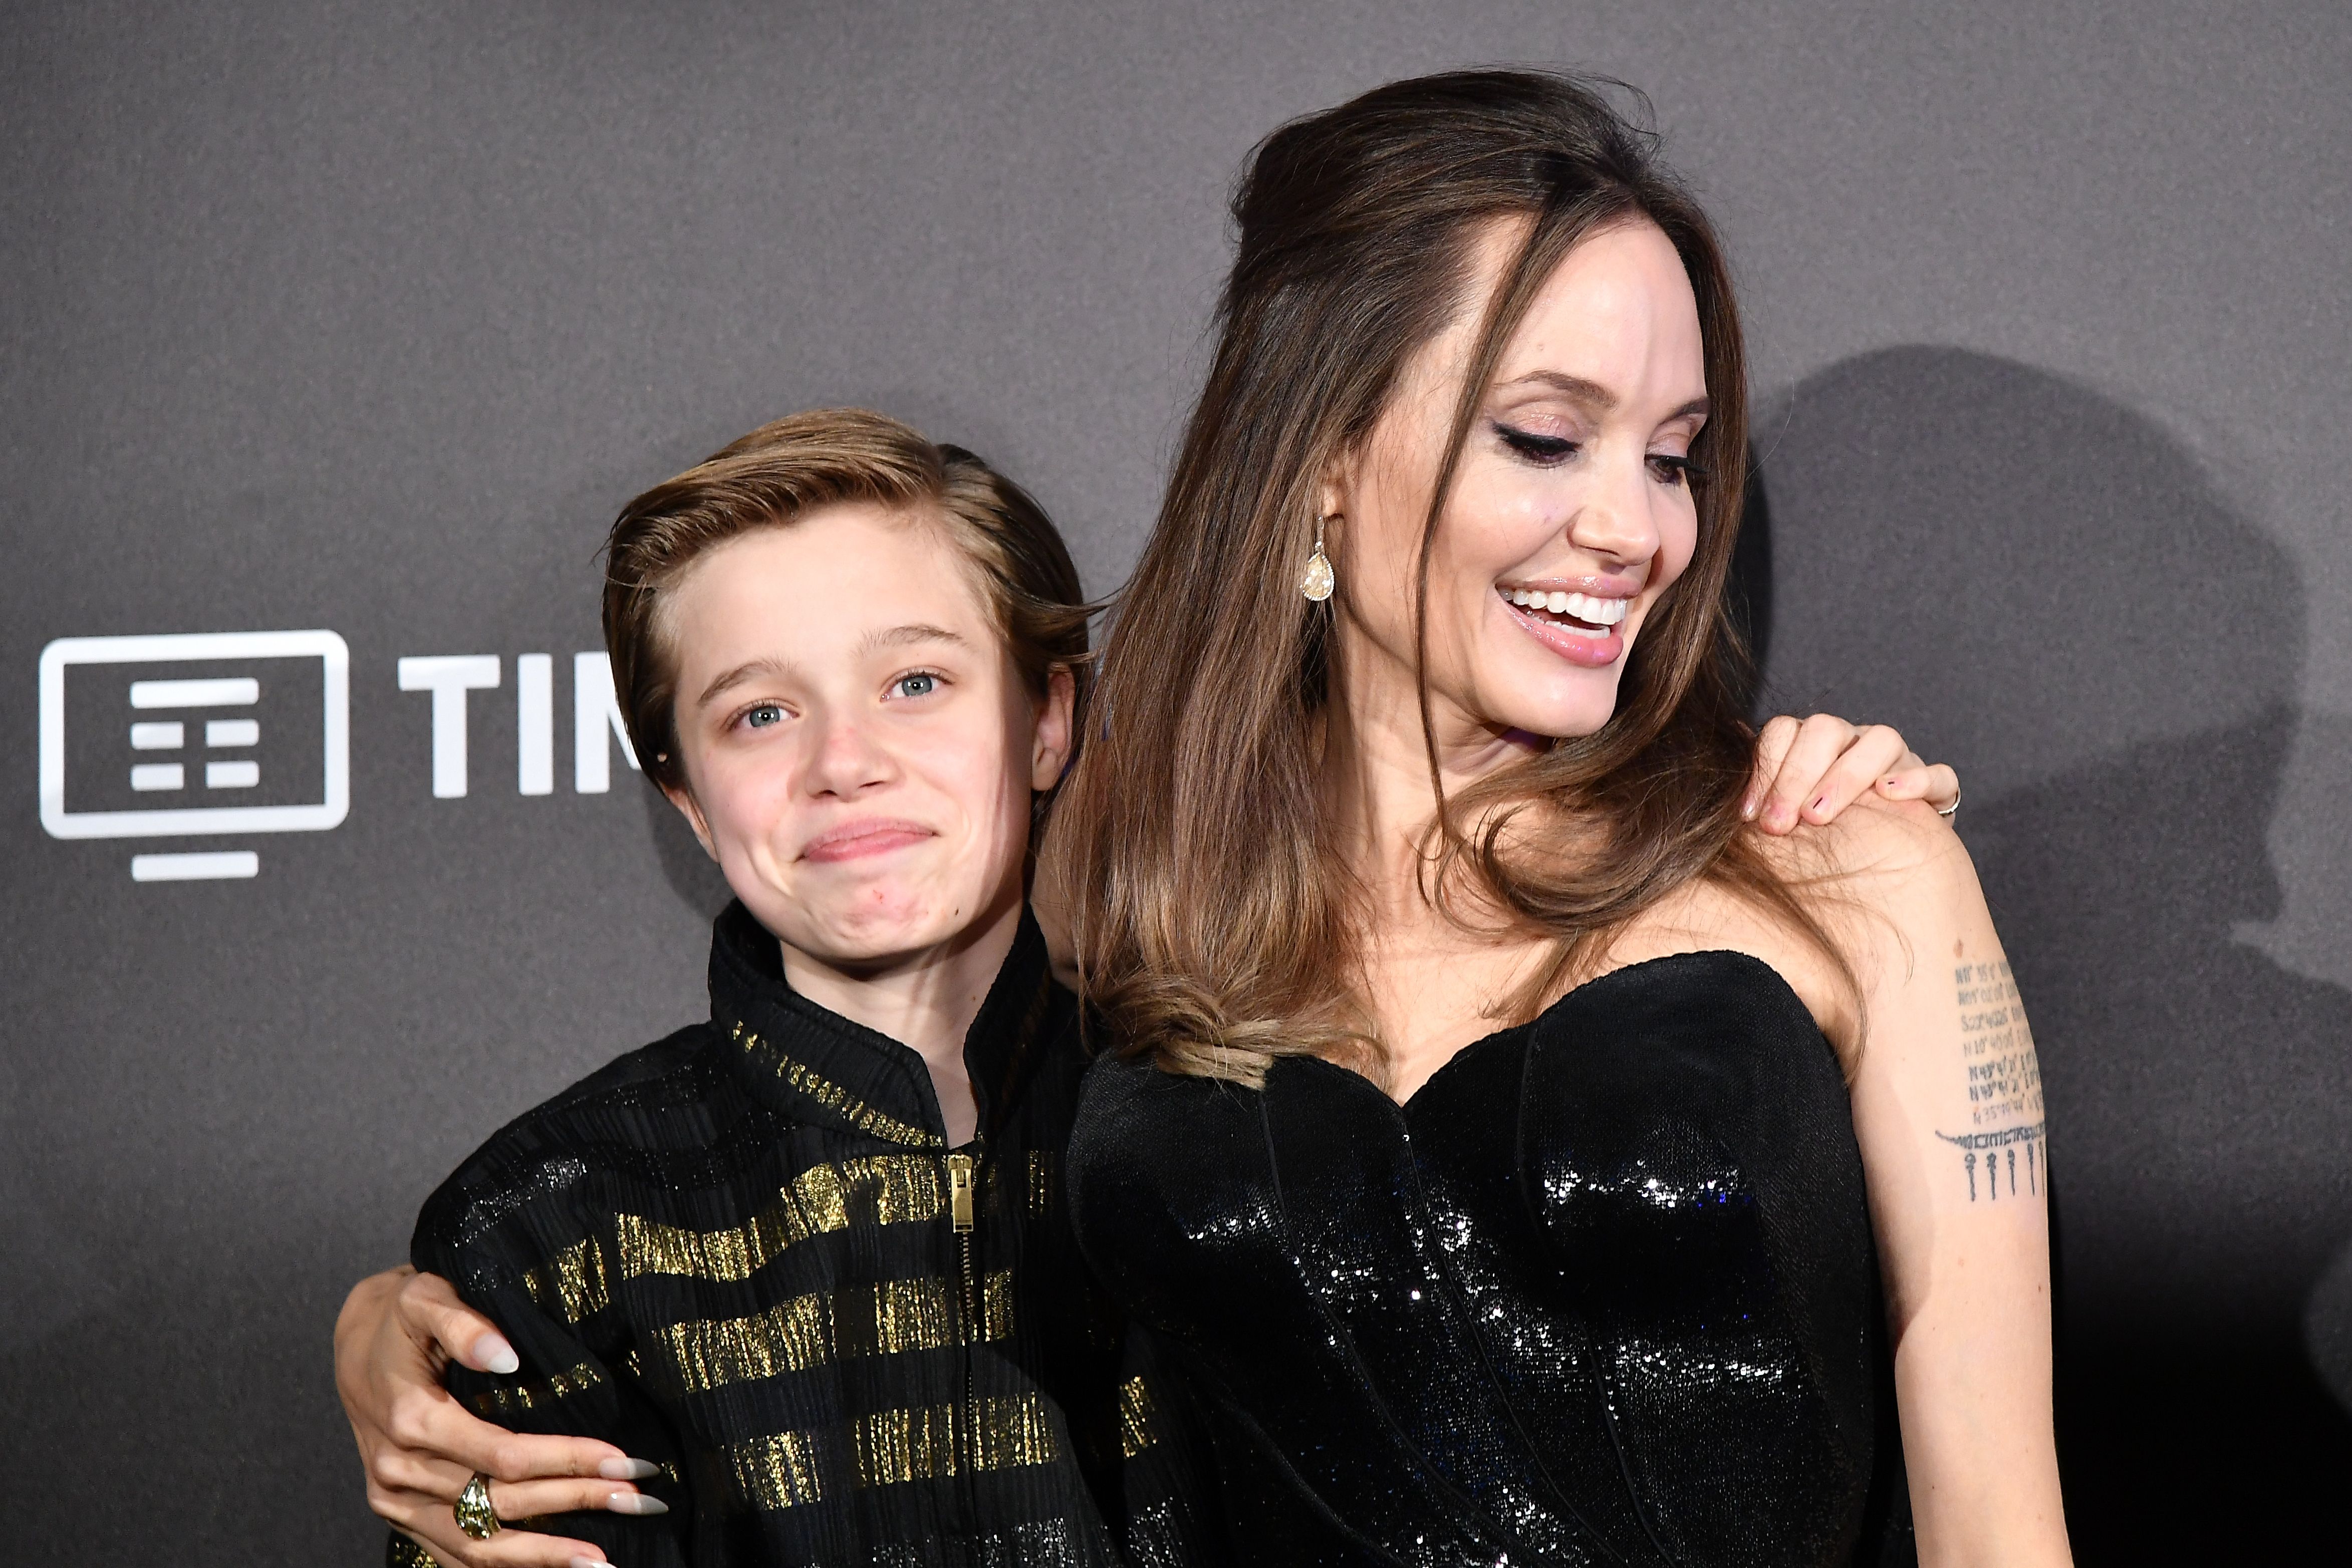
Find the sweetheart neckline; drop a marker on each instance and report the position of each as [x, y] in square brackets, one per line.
[1562, 1000]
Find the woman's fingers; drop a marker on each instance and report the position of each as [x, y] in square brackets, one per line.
[1805, 765]
[1854, 772]
[428, 1307]
[430, 1425]
[1912, 779]
[1809, 771]
[510, 1548]
[422, 1505]
[1772, 747]
[537, 1500]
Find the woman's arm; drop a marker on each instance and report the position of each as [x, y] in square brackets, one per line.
[397, 1334]
[1947, 1106]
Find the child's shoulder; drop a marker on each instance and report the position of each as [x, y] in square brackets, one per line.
[674, 1064]
[636, 1113]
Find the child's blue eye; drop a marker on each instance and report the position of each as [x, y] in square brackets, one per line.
[762, 715]
[920, 684]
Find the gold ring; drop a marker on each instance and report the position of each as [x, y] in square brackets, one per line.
[474, 1515]
[1946, 811]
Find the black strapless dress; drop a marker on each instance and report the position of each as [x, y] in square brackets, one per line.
[1602, 1292]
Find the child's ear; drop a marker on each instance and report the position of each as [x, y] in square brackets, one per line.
[679, 798]
[1051, 752]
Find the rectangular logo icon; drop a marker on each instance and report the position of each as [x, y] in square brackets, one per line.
[201, 733]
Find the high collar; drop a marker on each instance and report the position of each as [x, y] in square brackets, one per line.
[816, 1066]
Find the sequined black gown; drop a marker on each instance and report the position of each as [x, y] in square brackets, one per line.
[1602, 1292]
[747, 1254]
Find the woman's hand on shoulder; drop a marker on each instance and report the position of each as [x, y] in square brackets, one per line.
[1948, 1109]
[420, 1446]
[1809, 770]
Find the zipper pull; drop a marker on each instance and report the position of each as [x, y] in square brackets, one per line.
[960, 1173]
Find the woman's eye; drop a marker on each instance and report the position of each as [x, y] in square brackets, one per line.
[1668, 469]
[760, 715]
[1546, 451]
[922, 683]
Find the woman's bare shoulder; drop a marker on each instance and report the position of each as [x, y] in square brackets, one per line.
[1888, 883]
[1896, 862]
[1706, 917]
[1873, 879]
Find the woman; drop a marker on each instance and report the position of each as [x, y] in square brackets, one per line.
[1509, 1144]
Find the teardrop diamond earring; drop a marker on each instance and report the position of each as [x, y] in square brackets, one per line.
[1318, 581]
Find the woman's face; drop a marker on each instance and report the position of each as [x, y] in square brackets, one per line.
[858, 745]
[1570, 511]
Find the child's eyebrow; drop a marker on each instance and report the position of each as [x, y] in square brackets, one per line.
[738, 676]
[894, 636]
[899, 636]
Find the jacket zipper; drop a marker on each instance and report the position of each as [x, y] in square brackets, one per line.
[963, 1180]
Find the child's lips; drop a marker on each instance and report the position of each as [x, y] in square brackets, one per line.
[859, 840]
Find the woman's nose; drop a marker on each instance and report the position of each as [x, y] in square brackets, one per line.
[1615, 516]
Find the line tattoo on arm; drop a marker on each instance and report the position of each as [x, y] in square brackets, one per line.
[2005, 1119]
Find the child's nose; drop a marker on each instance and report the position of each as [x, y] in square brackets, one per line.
[847, 760]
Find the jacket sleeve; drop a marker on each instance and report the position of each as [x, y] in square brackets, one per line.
[1172, 1515]
[523, 1251]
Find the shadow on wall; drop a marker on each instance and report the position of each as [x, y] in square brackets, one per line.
[2040, 586]
[691, 874]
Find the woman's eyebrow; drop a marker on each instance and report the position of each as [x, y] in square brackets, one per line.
[1595, 398]
[1590, 395]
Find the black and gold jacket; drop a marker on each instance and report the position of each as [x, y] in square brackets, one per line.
[747, 1254]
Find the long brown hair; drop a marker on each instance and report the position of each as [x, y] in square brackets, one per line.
[1216, 926]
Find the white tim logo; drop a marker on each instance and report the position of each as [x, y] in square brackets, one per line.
[191, 733]
[597, 729]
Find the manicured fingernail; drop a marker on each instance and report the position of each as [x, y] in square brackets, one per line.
[635, 1503]
[1748, 808]
[496, 1354]
[588, 1562]
[1821, 802]
[629, 1469]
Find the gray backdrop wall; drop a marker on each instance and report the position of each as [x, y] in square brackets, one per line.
[366, 318]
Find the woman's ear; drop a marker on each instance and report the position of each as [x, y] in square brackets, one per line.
[1335, 499]
[680, 798]
[1332, 502]
[1050, 751]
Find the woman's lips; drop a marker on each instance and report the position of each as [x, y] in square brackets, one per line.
[858, 841]
[1577, 647]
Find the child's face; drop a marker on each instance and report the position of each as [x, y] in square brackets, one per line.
[859, 748]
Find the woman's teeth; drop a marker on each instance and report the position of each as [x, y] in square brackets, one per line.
[1593, 610]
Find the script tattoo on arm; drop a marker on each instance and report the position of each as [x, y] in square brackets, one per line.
[2004, 1153]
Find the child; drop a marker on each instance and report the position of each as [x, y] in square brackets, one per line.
[806, 1262]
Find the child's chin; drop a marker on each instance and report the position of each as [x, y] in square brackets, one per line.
[876, 932]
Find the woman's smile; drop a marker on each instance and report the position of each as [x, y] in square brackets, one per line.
[1578, 626]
